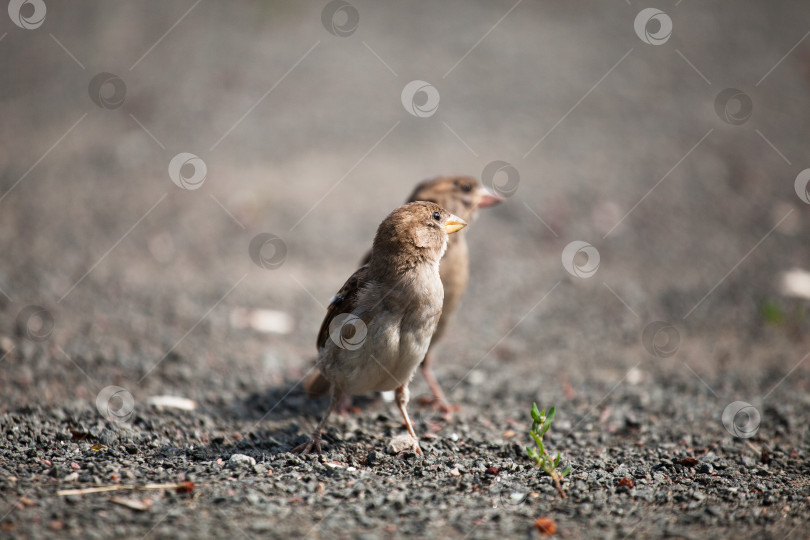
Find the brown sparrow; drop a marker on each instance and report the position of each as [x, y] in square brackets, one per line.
[463, 196]
[378, 327]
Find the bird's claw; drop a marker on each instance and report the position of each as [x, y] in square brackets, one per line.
[308, 447]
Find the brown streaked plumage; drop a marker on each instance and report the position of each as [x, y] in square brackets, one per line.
[463, 196]
[378, 328]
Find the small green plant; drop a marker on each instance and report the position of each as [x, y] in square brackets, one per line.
[540, 425]
[772, 312]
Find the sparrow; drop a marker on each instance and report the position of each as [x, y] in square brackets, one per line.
[379, 326]
[462, 196]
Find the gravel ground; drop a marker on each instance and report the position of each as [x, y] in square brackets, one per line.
[678, 368]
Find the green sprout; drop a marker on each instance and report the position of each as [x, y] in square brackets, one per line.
[540, 425]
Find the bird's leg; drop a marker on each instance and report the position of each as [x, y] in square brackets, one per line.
[438, 401]
[345, 406]
[402, 401]
[315, 442]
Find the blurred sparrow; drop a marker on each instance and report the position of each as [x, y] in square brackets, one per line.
[378, 327]
[463, 196]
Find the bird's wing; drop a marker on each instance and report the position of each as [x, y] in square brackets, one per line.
[343, 302]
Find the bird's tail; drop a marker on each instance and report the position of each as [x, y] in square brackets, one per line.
[316, 385]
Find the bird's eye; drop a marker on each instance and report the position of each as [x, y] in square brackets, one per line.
[466, 188]
[437, 216]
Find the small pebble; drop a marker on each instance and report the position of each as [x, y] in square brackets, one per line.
[240, 460]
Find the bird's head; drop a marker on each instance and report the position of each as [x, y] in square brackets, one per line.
[461, 195]
[416, 231]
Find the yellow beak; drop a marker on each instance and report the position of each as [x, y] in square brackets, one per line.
[454, 224]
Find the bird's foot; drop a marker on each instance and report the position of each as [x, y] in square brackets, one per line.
[441, 405]
[404, 442]
[311, 446]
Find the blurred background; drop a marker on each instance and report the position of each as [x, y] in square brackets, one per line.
[290, 120]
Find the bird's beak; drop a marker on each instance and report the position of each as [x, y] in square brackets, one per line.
[454, 224]
[488, 198]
